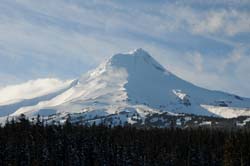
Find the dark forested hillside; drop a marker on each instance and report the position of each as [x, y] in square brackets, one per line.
[22, 143]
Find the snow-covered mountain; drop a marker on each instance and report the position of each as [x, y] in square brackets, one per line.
[128, 87]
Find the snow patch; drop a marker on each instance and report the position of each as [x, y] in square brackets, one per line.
[227, 112]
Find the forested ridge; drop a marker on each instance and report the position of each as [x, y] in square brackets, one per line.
[23, 143]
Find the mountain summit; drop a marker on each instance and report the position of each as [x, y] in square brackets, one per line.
[138, 60]
[134, 83]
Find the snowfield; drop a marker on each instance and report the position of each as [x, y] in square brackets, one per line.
[129, 85]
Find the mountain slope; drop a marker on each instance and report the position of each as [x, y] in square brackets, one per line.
[135, 83]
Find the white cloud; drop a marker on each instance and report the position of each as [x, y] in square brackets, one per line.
[211, 23]
[30, 89]
[196, 60]
[221, 21]
[234, 57]
[229, 22]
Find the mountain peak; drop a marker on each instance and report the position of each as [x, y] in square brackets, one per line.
[138, 62]
[138, 59]
[139, 51]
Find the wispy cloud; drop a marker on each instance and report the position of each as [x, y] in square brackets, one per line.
[233, 58]
[31, 89]
[196, 60]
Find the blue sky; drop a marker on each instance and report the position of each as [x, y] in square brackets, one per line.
[204, 42]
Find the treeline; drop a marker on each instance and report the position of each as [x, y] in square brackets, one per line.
[23, 143]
